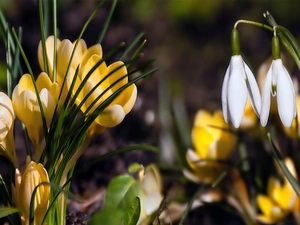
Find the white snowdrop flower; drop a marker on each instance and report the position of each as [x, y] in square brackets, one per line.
[279, 83]
[239, 82]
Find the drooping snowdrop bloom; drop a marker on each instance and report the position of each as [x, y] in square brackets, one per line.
[239, 82]
[278, 83]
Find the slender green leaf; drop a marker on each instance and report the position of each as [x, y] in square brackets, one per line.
[6, 211]
[131, 46]
[290, 42]
[190, 204]
[4, 195]
[43, 34]
[107, 21]
[284, 168]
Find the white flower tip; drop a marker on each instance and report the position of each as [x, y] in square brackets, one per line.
[236, 122]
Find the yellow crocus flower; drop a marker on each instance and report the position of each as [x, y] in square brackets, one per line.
[279, 200]
[7, 117]
[27, 109]
[85, 58]
[25, 184]
[106, 76]
[213, 144]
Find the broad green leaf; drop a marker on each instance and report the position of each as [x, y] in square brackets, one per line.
[129, 197]
[120, 202]
[107, 216]
[133, 213]
[285, 170]
[6, 211]
[117, 189]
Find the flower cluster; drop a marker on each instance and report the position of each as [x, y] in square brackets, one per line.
[102, 93]
[239, 83]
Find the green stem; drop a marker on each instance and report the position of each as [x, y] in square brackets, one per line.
[253, 23]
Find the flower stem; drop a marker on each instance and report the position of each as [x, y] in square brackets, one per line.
[254, 24]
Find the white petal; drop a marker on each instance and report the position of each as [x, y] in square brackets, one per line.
[237, 91]
[286, 99]
[253, 90]
[266, 95]
[224, 96]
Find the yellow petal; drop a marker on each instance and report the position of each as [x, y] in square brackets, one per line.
[116, 71]
[49, 53]
[81, 48]
[7, 115]
[126, 98]
[64, 55]
[206, 171]
[111, 116]
[94, 50]
[49, 104]
[25, 83]
[202, 139]
[98, 75]
[43, 82]
[265, 205]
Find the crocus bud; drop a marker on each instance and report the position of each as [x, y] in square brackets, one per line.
[25, 184]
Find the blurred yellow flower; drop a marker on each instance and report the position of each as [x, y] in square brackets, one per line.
[280, 198]
[27, 109]
[25, 184]
[294, 130]
[7, 117]
[213, 146]
[250, 118]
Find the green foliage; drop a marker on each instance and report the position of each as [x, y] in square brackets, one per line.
[284, 168]
[121, 203]
[6, 211]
